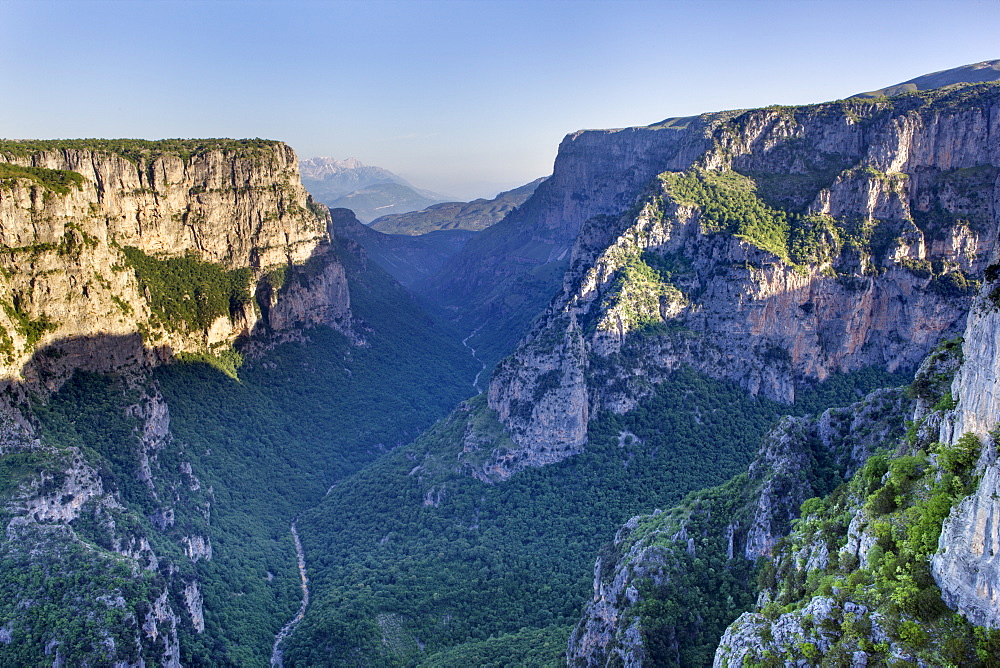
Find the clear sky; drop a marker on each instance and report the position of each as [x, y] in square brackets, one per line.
[452, 94]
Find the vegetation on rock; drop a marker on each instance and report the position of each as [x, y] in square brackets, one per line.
[59, 181]
[187, 293]
[139, 150]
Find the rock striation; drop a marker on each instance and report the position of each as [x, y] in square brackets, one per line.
[70, 284]
[802, 242]
[507, 274]
[710, 543]
[853, 581]
[967, 564]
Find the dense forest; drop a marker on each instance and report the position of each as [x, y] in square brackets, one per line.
[263, 446]
[412, 557]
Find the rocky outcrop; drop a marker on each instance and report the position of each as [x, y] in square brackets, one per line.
[967, 564]
[710, 543]
[804, 243]
[72, 286]
[194, 603]
[62, 520]
[853, 581]
[111, 253]
[160, 622]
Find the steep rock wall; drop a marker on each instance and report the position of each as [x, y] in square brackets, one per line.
[507, 274]
[68, 283]
[596, 172]
[967, 564]
[806, 242]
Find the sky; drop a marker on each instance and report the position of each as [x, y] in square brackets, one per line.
[461, 97]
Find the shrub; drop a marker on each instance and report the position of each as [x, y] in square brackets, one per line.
[188, 293]
[59, 181]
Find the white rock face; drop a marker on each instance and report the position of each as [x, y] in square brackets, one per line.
[735, 311]
[194, 602]
[66, 272]
[967, 565]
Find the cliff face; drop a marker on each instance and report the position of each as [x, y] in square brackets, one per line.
[117, 256]
[506, 275]
[596, 172]
[72, 274]
[871, 571]
[967, 564]
[699, 557]
[804, 242]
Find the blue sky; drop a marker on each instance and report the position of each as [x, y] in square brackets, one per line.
[452, 95]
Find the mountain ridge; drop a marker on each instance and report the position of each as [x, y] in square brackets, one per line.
[985, 71]
[475, 215]
[367, 190]
[695, 271]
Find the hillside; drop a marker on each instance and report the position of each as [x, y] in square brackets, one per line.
[986, 71]
[408, 259]
[180, 318]
[475, 216]
[739, 401]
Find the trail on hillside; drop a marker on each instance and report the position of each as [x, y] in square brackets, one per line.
[465, 342]
[286, 630]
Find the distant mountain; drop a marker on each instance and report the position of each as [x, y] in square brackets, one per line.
[476, 215]
[408, 259]
[329, 179]
[367, 190]
[988, 70]
[381, 198]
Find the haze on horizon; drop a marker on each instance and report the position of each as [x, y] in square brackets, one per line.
[465, 98]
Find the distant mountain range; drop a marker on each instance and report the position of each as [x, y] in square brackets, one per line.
[988, 70]
[367, 190]
[476, 215]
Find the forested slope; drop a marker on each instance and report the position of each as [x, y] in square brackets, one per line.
[147, 506]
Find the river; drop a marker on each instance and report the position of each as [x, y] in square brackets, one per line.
[286, 630]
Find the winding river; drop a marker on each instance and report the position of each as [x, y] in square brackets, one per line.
[286, 630]
[465, 342]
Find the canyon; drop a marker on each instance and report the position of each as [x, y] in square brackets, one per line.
[701, 325]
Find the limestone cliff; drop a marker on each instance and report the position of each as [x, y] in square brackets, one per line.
[89, 260]
[697, 559]
[803, 242]
[506, 275]
[116, 256]
[967, 564]
[855, 581]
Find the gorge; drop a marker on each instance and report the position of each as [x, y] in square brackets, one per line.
[719, 391]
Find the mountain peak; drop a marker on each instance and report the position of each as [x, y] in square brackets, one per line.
[987, 70]
[324, 167]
